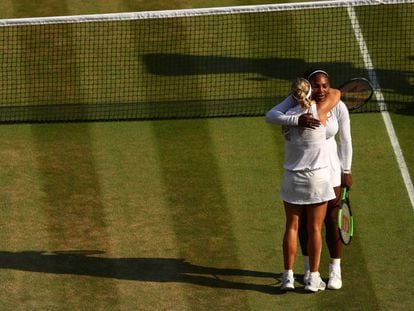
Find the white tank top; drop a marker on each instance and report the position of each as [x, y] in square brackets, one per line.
[305, 149]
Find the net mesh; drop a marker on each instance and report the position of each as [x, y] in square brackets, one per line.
[198, 63]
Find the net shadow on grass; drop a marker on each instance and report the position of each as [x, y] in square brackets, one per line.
[176, 270]
[281, 68]
[396, 83]
[165, 70]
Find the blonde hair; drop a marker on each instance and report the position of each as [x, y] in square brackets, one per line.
[301, 92]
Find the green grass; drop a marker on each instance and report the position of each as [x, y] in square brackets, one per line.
[125, 203]
[185, 214]
[403, 125]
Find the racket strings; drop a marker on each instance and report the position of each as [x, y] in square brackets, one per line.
[356, 92]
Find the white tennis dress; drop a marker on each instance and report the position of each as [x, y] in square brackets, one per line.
[307, 177]
[340, 159]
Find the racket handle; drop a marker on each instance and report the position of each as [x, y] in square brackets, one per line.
[343, 194]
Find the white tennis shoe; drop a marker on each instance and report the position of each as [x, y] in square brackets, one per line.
[315, 283]
[287, 281]
[335, 279]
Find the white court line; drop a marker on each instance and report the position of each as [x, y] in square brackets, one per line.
[381, 102]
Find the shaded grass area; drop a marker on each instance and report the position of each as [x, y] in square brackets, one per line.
[178, 214]
[71, 203]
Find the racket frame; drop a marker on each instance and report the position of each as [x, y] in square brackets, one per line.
[365, 81]
[345, 200]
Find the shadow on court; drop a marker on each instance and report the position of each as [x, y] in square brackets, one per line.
[281, 68]
[90, 263]
[395, 84]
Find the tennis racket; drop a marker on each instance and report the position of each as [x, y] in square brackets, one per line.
[345, 220]
[356, 92]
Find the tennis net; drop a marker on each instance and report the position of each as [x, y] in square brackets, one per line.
[216, 62]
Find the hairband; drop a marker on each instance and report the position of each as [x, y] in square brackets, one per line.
[317, 71]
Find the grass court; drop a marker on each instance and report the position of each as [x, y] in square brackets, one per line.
[184, 214]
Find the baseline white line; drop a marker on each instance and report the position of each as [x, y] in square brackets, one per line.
[381, 102]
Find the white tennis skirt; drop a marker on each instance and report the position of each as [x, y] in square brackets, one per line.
[307, 187]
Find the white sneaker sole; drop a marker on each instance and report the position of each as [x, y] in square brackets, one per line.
[314, 289]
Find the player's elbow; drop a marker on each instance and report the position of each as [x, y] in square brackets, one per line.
[270, 117]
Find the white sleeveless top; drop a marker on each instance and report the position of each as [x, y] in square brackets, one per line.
[305, 149]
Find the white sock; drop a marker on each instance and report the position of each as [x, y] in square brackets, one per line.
[306, 263]
[336, 263]
[289, 272]
[314, 274]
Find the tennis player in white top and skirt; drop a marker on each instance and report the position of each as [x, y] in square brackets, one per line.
[340, 159]
[307, 180]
